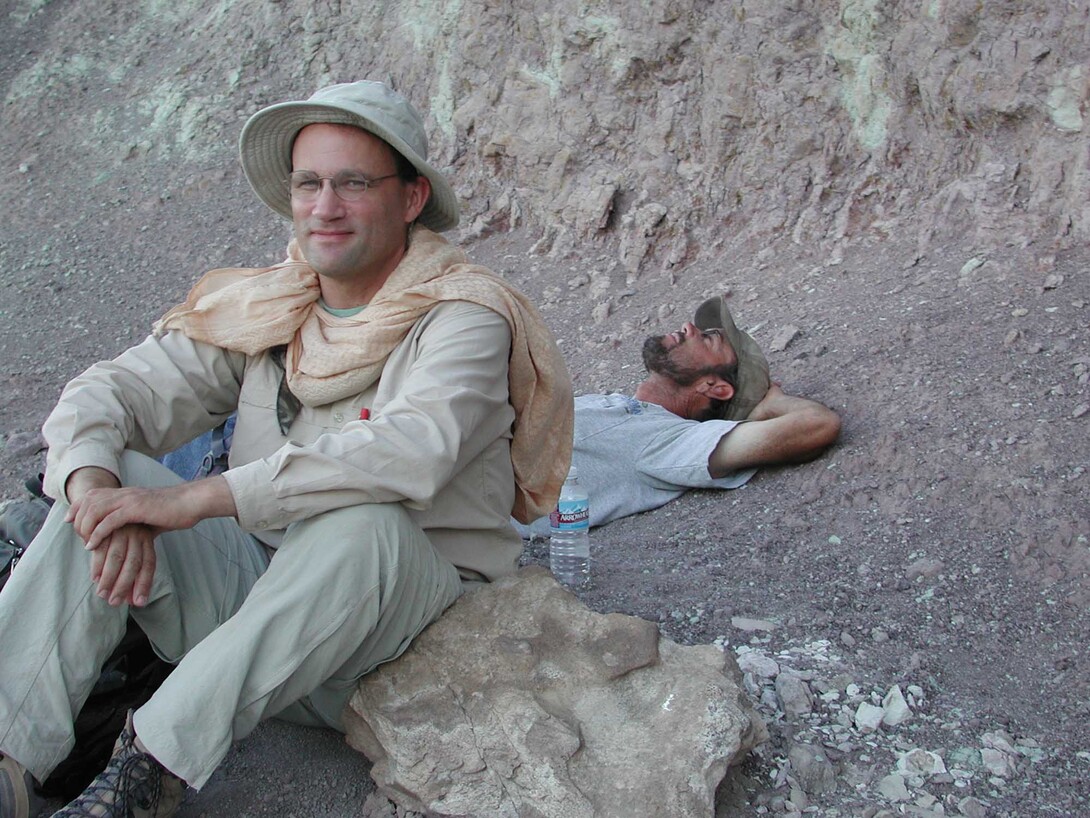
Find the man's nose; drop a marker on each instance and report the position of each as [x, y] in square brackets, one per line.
[327, 202]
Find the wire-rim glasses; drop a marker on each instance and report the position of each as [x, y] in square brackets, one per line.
[348, 185]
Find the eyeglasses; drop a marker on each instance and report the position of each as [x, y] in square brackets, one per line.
[348, 185]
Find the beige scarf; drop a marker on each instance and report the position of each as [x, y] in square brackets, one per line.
[329, 358]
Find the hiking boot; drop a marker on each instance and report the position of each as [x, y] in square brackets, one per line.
[133, 785]
[17, 798]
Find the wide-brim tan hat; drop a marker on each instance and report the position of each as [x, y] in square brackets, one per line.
[267, 138]
[752, 382]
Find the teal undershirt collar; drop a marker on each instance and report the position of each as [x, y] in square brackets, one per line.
[347, 312]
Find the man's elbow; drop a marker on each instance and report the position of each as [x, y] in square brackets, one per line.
[817, 431]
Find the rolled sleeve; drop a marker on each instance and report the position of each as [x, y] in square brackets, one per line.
[152, 398]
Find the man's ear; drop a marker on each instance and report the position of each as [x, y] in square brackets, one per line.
[419, 191]
[717, 389]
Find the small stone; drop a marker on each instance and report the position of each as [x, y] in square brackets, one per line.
[1053, 281]
[794, 694]
[894, 708]
[926, 567]
[970, 266]
[964, 757]
[847, 639]
[893, 787]
[813, 770]
[25, 444]
[997, 762]
[1019, 312]
[1081, 410]
[868, 718]
[926, 800]
[783, 338]
[879, 635]
[921, 763]
[971, 808]
[798, 801]
[743, 623]
[999, 740]
[769, 701]
[751, 661]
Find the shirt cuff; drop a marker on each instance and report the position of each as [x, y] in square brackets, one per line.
[255, 501]
[79, 456]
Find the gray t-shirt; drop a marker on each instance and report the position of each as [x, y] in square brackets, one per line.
[634, 456]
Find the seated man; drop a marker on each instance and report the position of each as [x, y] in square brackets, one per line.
[705, 417]
[395, 405]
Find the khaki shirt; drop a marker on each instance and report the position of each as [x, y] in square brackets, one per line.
[437, 441]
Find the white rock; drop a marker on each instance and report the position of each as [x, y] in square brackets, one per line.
[868, 718]
[751, 661]
[895, 709]
[920, 762]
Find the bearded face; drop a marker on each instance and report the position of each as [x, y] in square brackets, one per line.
[689, 354]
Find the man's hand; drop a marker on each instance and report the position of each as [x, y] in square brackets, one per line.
[100, 512]
[119, 526]
[123, 566]
[780, 429]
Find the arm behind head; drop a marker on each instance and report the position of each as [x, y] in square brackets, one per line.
[780, 429]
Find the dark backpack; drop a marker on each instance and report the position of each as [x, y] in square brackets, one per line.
[128, 679]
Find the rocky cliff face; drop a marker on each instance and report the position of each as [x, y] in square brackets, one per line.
[656, 128]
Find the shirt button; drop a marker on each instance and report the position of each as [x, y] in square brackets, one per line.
[338, 417]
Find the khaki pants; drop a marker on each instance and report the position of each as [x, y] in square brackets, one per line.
[252, 636]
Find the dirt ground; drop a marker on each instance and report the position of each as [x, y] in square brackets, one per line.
[941, 546]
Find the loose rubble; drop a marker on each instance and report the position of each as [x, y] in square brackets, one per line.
[844, 746]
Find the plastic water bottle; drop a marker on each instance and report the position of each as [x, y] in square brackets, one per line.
[569, 534]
